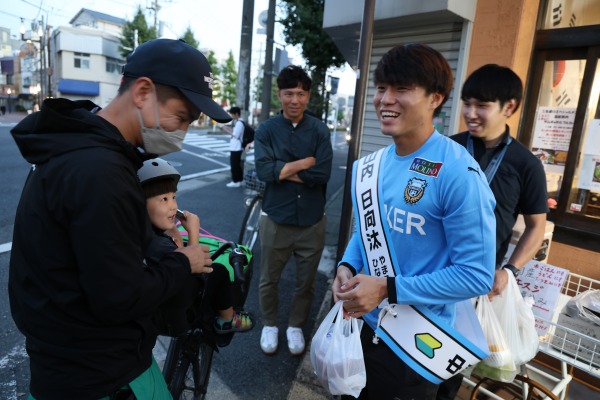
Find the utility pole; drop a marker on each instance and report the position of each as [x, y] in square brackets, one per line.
[268, 67]
[155, 7]
[49, 74]
[364, 53]
[243, 83]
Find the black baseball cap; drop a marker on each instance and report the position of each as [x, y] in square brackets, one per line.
[175, 63]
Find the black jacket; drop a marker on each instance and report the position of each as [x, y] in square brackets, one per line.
[78, 287]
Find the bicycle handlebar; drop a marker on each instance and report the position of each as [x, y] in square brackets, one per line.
[237, 258]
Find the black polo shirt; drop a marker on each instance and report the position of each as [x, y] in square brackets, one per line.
[519, 185]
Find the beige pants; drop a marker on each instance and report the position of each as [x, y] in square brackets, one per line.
[277, 244]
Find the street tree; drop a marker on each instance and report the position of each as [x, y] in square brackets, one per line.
[189, 38]
[303, 26]
[135, 32]
[216, 71]
[229, 77]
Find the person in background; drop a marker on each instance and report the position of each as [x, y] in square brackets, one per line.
[435, 217]
[293, 156]
[83, 298]
[491, 95]
[236, 130]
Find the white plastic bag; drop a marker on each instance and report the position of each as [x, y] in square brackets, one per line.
[517, 322]
[499, 365]
[336, 354]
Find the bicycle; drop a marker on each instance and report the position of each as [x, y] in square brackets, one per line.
[255, 190]
[188, 362]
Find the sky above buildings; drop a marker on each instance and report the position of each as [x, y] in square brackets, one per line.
[215, 23]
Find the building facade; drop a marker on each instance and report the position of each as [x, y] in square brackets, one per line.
[81, 61]
[554, 46]
[86, 59]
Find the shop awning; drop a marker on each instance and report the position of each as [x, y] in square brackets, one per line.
[72, 86]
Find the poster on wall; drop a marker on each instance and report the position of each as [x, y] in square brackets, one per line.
[592, 138]
[552, 135]
[589, 173]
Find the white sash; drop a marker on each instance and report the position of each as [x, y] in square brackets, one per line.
[423, 340]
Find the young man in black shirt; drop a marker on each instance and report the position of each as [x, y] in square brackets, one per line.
[490, 96]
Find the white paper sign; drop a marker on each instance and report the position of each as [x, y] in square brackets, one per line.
[553, 127]
[592, 138]
[589, 174]
[543, 282]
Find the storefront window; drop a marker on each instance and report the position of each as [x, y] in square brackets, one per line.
[555, 115]
[561, 116]
[584, 197]
[570, 13]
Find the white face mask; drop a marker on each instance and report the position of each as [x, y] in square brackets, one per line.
[157, 140]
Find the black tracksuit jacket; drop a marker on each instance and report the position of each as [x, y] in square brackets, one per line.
[78, 287]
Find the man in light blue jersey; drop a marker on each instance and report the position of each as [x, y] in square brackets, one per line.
[437, 214]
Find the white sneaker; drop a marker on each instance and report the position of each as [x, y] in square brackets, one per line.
[269, 339]
[295, 339]
[234, 184]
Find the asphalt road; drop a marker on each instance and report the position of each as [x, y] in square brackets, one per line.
[241, 370]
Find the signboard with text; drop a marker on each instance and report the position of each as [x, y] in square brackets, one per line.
[543, 282]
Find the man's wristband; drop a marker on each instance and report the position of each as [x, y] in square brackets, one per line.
[512, 269]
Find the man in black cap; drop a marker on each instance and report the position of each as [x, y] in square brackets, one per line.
[78, 287]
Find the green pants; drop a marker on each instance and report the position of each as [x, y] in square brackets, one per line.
[150, 385]
[277, 245]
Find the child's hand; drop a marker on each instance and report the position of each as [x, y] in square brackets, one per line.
[191, 222]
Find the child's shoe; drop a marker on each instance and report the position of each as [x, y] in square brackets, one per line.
[242, 321]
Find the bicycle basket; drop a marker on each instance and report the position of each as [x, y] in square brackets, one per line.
[252, 183]
[213, 244]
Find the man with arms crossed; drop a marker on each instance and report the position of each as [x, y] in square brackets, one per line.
[490, 96]
[293, 156]
[439, 213]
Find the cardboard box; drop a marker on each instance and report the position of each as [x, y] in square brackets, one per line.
[575, 345]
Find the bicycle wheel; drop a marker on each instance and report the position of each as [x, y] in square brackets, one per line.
[249, 230]
[190, 364]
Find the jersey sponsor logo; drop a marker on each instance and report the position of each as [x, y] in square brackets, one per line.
[404, 221]
[426, 167]
[414, 190]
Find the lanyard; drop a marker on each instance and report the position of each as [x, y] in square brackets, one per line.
[494, 164]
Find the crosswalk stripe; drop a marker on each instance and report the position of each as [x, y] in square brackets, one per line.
[209, 143]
